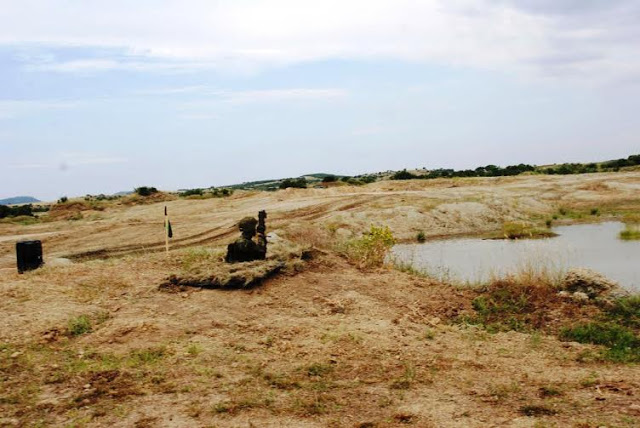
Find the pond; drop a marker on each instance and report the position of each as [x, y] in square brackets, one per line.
[475, 260]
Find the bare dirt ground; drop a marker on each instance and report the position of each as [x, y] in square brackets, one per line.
[328, 346]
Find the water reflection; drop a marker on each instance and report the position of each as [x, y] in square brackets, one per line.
[472, 260]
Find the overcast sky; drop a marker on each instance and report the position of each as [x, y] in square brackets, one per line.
[104, 96]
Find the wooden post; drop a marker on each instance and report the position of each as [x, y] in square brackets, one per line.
[166, 230]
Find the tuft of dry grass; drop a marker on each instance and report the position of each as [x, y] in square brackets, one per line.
[524, 230]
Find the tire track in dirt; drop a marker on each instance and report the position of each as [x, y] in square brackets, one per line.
[217, 233]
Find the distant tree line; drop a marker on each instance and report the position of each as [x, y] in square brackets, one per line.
[204, 193]
[496, 171]
[7, 211]
[357, 180]
[632, 160]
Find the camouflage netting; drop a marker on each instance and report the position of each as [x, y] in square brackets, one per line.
[213, 272]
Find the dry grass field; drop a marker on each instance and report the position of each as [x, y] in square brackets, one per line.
[92, 340]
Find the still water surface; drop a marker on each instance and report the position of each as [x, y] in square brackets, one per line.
[472, 260]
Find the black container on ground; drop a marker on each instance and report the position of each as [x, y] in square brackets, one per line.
[29, 254]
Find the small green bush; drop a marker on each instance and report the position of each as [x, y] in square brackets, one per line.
[595, 211]
[371, 249]
[145, 191]
[330, 179]
[298, 183]
[79, 325]
[192, 192]
[403, 175]
[421, 237]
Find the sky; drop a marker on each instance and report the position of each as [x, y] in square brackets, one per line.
[104, 96]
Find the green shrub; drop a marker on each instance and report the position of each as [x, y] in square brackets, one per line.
[371, 249]
[79, 325]
[594, 211]
[421, 237]
[63, 200]
[330, 179]
[17, 211]
[298, 183]
[145, 191]
[192, 192]
[403, 175]
[623, 345]
[626, 311]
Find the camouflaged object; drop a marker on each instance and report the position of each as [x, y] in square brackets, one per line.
[248, 224]
[245, 249]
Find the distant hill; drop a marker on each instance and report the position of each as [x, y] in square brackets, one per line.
[19, 200]
[274, 184]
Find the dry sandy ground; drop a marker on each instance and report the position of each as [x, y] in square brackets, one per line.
[436, 207]
[328, 346]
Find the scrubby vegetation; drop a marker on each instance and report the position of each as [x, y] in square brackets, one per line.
[102, 197]
[622, 344]
[371, 249]
[631, 231]
[513, 304]
[212, 192]
[511, 170]
[145, 191]
[404, 175]
[523, 230]
[526, 304]
[79, 325]
[19, 210]
[298, 183]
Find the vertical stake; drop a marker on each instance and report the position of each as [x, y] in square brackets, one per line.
[166, 230]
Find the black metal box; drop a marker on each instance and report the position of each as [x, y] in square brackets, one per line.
[29, 254]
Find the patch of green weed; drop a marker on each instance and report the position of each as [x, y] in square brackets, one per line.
[621, 342]
[79, 325]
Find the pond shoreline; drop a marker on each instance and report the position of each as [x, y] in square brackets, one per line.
[477, 259]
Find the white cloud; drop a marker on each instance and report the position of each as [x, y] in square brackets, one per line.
[10, 109]
[29, 165]
[206, 108]
[68, 160]
[79, 159]
[199, 116]
[367, 131]
[276, 95]
[183, 35]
